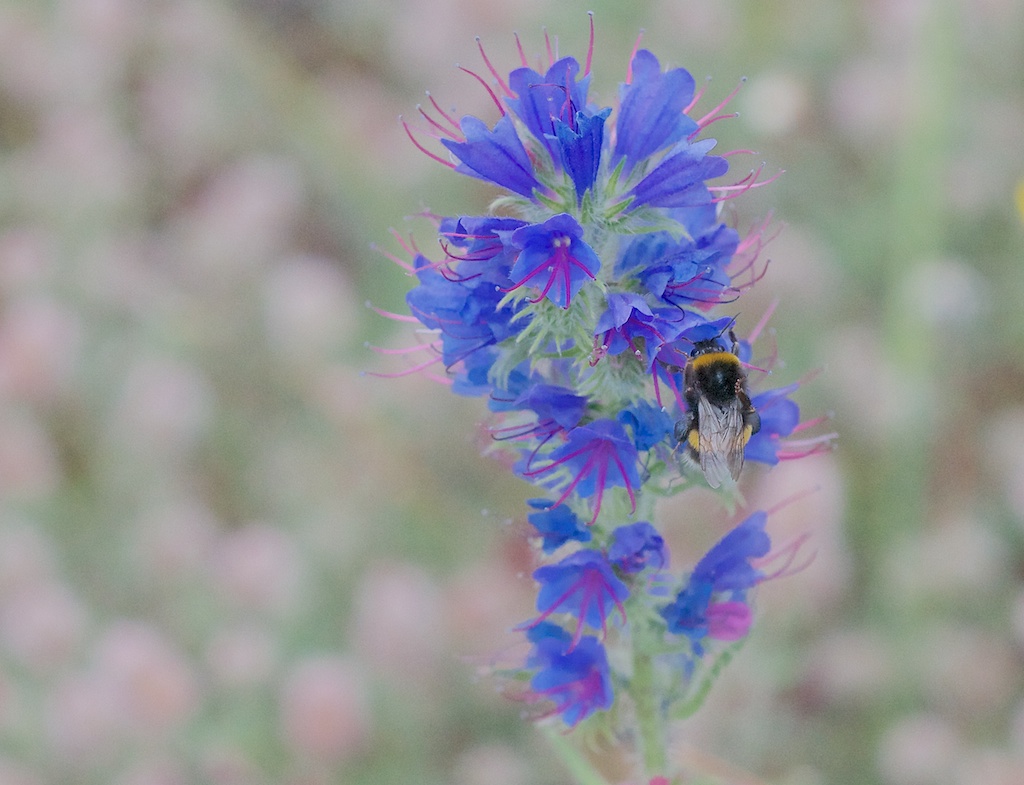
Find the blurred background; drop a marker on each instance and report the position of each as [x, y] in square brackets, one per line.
[227, 557]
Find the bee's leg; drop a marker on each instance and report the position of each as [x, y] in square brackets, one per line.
[751, 419]
[735, 343]
[684, 426]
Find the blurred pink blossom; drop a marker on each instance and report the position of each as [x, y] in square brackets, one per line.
[39, 349]
[165, 406]
[398, 621]
[920, 749]
[258, 567]
[324, 709]
[28, 458]
[309, 308]
[154, 683]
[41, 625]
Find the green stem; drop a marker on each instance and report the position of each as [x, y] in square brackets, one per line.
[575, 761]
[649, 719]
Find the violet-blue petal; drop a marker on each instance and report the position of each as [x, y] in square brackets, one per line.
[687, 614]
[727, 566]
[557, 525]
[482, 246]
[679, 179]
[576, 680]
[651, 110]
[497, 156]
[582, 585]
[779, 417]
[601, 455]
[554, 257]
[579, 149]
[542, 100]
[649, 424]
[637, 546]
[553, 402]
[621, 306]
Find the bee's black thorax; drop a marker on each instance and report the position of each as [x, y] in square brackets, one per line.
[715, 375]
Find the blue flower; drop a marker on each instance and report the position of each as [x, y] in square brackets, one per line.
[469, 317]
[651, 110]
[554, 256]
[598, 456]
[679, 179]
[692, 269]
[650, 424]
[713, 603]
[484, 249]
[552, 402]
[557, 525]
[579, 148]
[575, 679]
[496, 156]
[779, 417]
[727, 566]
[575, 309]
[637, 546]
[582, 585]
[630, 323]
[545, 100]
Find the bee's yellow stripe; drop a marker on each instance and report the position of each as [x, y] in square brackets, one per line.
[693, 438]
[702, 360]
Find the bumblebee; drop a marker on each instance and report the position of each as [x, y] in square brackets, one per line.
[720, 418]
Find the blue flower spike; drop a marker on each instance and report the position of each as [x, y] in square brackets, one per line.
[594, 309]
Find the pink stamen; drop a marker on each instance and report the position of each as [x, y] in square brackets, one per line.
[559, 264]
[522, 54]
[486, 86]
[409, 371]
[409, 246]
[448, 118]
[754, 276]
[397, 317]
[456, 135]
[590, 586]
[590, 46]
[598, 458]
[490, 67]
[636, 48]
[711, 117]
[730, 116]
[752, 367]
[791, 499]
[670, 381]
[404, 350]
[544, 430]
[755, 237]
[424, 150]
[807, 424]
[629, 488]
[744, 185]
[450, 275]
[789, 553]
[697, 95]
[397, 260]
[547, 45]
[802, 448]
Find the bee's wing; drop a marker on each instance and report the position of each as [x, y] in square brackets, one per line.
[720, 435]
